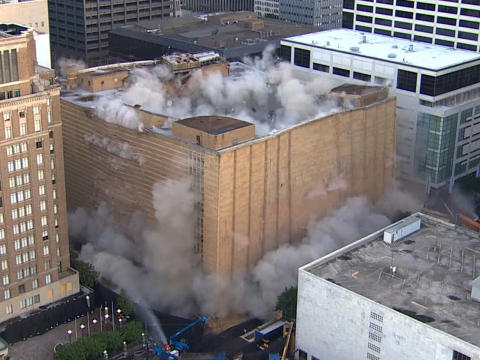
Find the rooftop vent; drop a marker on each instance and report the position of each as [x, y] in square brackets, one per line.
[364, 39]
[355, 49]
[410, 48]
[392, 56]
[394, 46]
[402, 229]
[328, 43]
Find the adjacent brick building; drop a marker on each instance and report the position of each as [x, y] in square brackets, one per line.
[255, 193]
[34, 249]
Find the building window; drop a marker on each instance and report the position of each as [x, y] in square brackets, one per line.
[8, 132]
[37, 125]
[374, 347]
[39, 159]
[4, 265]
[361, 76]
[46, 250]
[6, 294]
[6, 280]
[41, 190]
[407, 80]
[48, 279]
[301, 57]
[341, 72]
[285, 53]
[23, 129]
[321, 67]
[34, 284]
[459, 356]
[9, 309]
[21, 289]
[36, 110]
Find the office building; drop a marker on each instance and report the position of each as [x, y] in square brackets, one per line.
[416, 298]
[79, 29]
[232, 35]
[34, 249]
[322, 14]
[211, 6]
[33, 14]
[448, 23]
[255, 190]
[437, 90]
[267, 8]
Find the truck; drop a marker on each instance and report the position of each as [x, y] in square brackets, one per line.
[175, 347]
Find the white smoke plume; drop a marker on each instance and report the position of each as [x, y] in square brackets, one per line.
[263, 92]
[119, 148]
[112, 109]
[66, 65]
[157, 265]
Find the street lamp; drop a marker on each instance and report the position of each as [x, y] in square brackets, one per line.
[69, 332]
[82, 327]
[105, 354]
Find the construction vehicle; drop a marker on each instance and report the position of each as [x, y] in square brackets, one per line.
[172, 350]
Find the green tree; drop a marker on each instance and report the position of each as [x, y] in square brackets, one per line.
[287, 303]
[132, 331]
[87, 275]
[125, 303]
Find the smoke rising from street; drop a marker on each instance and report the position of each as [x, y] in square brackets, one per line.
[157, 266]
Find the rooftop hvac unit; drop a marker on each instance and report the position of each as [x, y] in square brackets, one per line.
[402, 229]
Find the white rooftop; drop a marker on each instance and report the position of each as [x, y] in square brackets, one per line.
[382, 47]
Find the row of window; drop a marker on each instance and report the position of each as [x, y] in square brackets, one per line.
[24, 242]
[15, 149]
[7, 116]
[8, 66]
[25, 303]
[20, 196]
[21, 212]
[9, 94]
[409, 14]
[18, 164]
[37, 126]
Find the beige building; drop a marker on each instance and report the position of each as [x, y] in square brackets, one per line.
[34, 249]
[255, 193]
[31, 13]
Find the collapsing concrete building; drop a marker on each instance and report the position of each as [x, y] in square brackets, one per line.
[256, 190]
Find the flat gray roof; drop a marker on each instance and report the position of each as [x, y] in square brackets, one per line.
[434, 268]
[386, 48]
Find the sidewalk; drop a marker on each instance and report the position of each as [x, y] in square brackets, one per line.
[41, 347]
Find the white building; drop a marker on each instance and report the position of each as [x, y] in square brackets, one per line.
[407, 301]
[437, 89]
[442, 22]
[269, 8]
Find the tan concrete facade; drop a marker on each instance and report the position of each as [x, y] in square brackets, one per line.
[32, 13]
[34, 249]
[258, 193]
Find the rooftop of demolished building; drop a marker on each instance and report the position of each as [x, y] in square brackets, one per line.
[426, 275]
[232, 97]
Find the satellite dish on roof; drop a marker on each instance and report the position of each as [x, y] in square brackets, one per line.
[392, 55]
